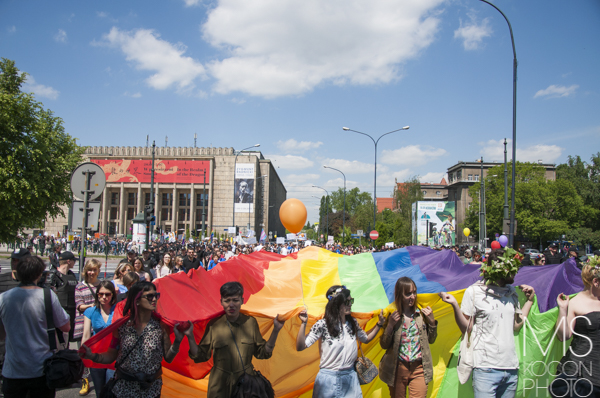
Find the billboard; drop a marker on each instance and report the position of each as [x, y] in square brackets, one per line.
[244, 188]
[440, 216]
[170, 171]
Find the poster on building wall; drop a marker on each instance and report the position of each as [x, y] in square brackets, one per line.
[244, 188]
[169, 171]
[439, 217]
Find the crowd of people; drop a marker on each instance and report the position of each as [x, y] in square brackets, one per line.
[490, 313]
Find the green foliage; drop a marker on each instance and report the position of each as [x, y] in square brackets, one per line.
[584, 236]
[37, 157]
[507, 265]
[544, 209]
[586, 179]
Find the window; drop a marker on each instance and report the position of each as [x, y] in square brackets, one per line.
[459, 175]
[146, 198]
[438, 193]
[470, 177]
[424, 193]
[114, 213]
[132, 198]
[476, 177]
[199, 215]
[184, 214]
[131, 213]
[167, 199]
[114, 198]
[184, 199]
[202, 199]
[165, 214]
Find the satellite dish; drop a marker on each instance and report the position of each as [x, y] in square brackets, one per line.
[97, 181]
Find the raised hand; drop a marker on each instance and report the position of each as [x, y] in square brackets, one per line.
[563, 301]
[277, 324]
[448, 298]
[381, 318]
[528, 291]
[394, 318]
[428, 314]
[303, 315]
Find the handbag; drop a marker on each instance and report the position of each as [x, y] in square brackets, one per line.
[365, 368]
[247, 385]
[64, 367]
[465, 355]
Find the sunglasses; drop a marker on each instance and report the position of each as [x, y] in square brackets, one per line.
[104, 294]
[349, 302]
[151, 297]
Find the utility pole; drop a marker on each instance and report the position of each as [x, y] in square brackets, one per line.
[149, 209]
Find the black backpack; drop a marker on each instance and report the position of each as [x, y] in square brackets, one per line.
[64, 367]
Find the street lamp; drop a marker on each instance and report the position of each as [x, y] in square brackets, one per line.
[320, 218]
[511, 233]
[327, 209]
[344, 213]
[375, 175]
[234, 163]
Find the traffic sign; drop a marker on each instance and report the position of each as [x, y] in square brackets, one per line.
[97, 181]
[360, 232]
[374, 235]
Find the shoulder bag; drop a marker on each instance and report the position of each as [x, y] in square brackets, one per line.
[249, 386]
[365, 368]
[64, 367]
[465, 356]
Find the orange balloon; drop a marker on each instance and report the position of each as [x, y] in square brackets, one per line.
[292, 214]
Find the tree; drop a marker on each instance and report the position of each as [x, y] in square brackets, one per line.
[407, 193]
[544, 209]
[37, 157]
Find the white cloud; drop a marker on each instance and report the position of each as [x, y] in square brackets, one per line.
[60, 36]
[297, 146]
[132, 95]
[11, 29]
[386, 181]
[347, 166]
[290, 161]
[339, 183]
[472, 33]
[147, 51]
[414, 155]
[433, 177]
[39, 89]
[276, 48]
[493, 151]
[238, 101]
[191, 3]
[554, 91]
[301, 178]
[102, 14]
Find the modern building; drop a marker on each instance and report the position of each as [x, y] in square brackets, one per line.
[190, 184]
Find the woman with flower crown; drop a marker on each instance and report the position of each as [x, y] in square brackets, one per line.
[579, 317]
[494, 304]
[336, 333]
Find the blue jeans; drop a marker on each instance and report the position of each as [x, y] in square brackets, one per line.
[337, 384]
[495, 383]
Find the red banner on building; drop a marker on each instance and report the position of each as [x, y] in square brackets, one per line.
[170, 171]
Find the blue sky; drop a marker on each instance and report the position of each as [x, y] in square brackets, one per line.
[290, 74]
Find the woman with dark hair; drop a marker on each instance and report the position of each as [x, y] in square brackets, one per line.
[494, 306]
[23, 325]
[97, 318]
[337, 333]
[138, 266]
[407, 361]
[227, 334]
[140, 345]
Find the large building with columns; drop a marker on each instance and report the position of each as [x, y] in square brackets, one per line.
[187, 183]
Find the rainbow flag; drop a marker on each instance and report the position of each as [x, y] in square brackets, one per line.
[276, 285]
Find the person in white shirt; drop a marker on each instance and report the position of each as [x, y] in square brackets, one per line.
[337, 333]
[495, 305]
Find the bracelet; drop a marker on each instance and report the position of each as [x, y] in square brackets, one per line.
[380, 325]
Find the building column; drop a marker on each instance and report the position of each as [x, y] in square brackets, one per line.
[193, 209]
[122, 210]
[174, 216]
[140, 203]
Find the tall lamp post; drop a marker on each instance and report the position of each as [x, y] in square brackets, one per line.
[344, 213]
[375, 175]
[511, 234]
[320, 218]
[327, 209]
[234, 163]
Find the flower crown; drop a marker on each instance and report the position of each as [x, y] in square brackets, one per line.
[336, 292]
[594, 262]
[506, 264]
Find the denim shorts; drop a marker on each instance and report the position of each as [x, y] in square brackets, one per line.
[495, 383]
[337, 384]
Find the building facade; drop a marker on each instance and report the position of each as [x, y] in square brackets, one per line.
[190, 185]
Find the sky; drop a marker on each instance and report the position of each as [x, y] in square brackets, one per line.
[290, 74]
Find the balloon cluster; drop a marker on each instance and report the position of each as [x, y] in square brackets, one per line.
[501, 242]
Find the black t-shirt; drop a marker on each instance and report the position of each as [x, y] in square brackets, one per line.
[189, 264]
